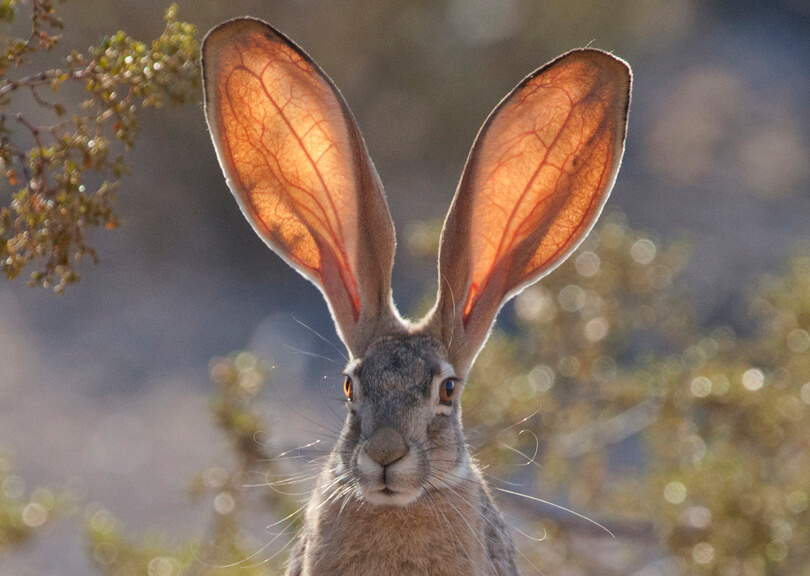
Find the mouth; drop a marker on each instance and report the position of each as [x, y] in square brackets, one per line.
[393, 485]
[386, 496]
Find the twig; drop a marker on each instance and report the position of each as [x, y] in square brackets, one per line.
[41, 78]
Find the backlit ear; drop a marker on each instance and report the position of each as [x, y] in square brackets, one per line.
[296, 162]
[535, 182]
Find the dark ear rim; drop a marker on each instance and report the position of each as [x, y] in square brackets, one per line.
[482, 132]
[622, 65]
[213, 126]
[443, 317]
[267, 27]
[377, 312]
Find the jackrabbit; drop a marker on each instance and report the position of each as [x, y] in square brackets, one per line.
[400, 493]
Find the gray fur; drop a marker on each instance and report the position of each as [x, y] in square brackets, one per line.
[448, 530]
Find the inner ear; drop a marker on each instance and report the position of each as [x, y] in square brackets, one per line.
[294, 159]
[536, 179]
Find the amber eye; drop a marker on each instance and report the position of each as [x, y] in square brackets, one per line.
[446, 392]
[348, 388]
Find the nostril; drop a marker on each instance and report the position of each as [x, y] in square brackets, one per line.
[386, 446]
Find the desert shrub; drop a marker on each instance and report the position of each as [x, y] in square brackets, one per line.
[62, 165]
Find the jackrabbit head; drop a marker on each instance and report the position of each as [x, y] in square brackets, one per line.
[537, 177]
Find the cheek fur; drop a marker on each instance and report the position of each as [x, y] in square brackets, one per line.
[445, 444]
[349, 438]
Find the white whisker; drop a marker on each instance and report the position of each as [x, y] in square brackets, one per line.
[552, 504]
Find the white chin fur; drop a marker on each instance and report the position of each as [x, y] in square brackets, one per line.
[379, 498]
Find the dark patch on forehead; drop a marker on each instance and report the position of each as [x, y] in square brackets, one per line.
[401, 364]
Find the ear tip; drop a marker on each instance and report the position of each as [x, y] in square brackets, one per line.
[604, 60]
[616, 72]
[231, 33]
[234, 29]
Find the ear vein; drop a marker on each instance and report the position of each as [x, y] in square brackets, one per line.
[513, 213]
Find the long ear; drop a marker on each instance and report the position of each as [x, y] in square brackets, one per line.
[297, 164]
[535, 182]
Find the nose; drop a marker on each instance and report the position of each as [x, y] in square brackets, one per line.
[386, 446]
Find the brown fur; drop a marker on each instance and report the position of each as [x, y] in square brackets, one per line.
[442, 534]
[452, 528]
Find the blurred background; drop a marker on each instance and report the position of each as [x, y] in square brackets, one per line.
[106, 387]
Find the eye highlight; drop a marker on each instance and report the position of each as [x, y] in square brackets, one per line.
[446, 390]
[348, 388]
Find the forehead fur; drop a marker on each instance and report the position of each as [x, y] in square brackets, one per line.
[399, 363]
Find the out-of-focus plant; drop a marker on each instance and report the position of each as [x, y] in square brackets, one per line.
[24, 512]
[692, 443]
[62, 166]
[226, 548]
[609, 398]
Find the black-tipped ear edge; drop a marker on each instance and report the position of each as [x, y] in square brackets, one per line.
[536, 179]
[298, 166]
